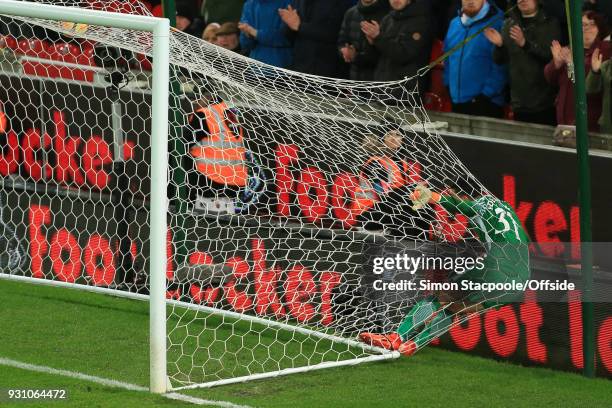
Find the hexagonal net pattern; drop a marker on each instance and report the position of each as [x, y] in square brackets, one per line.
[285, 191]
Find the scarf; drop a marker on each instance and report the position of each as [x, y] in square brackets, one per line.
[467, 20]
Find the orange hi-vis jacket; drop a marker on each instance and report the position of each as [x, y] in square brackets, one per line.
[220, 156]
[366, 195]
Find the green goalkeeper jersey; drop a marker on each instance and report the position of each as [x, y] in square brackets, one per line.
[500, 230]
[492, 219]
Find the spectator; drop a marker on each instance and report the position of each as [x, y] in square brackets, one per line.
[556, 9]
[313, 25]
[262, 34]
[594, 29]
[446, 10]
[524, 44]
[187, 19]
[221, 11]
[598, 80]
[352, 42]
[210, 33]
[475, 82]
[403, 40]
[227, 37]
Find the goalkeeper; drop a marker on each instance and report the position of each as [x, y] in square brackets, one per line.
[499, 229]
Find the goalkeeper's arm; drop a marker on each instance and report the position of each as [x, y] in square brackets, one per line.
[451, 203]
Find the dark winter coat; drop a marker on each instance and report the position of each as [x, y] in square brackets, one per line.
[315, 43]
[404, 43]
[529, 91]
[362, 68]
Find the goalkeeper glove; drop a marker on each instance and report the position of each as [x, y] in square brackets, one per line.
[420, 196]
[423, 195]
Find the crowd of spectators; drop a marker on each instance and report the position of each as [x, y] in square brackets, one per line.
[517, 52]
[499, 54]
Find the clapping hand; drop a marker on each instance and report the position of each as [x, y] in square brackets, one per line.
[596, 61]
[371, 29]
[247, 29]
[556, 49]
[348, 53]
[516, 33]
[561, 55]
[290, 17]
[494, 36]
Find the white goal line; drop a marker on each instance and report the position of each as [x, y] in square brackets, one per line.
[114, 383]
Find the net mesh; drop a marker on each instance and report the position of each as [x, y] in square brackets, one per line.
[283, 188]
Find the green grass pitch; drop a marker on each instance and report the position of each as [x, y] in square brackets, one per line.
[107, 337]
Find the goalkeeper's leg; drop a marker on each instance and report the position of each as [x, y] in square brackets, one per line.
[420, 313]
[427, 319]
[442, 320]
[425, 316]
[440, 324]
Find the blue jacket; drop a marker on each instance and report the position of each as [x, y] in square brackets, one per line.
[470, 70]
[271, 45]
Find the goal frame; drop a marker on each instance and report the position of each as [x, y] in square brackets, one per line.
[159, 381]
[160, 29]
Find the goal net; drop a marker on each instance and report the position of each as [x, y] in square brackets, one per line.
[284, 190]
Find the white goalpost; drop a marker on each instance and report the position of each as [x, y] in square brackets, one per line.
[160, 31]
